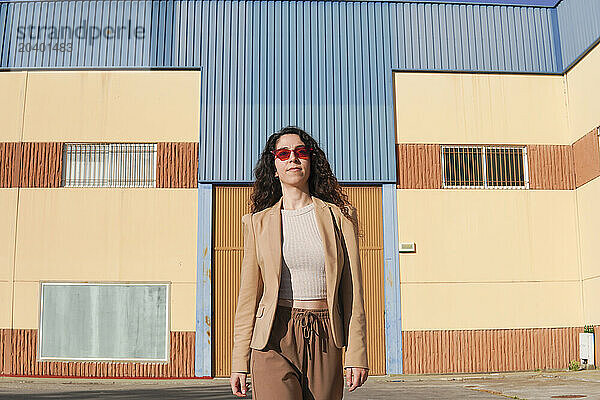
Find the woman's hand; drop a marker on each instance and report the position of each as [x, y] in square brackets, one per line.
[238, 384]
[355, 377]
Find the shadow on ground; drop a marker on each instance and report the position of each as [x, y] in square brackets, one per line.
[175, 393]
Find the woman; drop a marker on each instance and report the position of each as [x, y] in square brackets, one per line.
[301, 296]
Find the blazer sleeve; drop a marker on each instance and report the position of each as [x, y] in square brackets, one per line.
[251, 286]
[353, 301]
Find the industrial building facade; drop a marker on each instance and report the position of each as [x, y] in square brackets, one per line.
[465, 133]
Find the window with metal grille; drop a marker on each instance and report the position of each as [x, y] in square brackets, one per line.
[485, 167]
[109, 165]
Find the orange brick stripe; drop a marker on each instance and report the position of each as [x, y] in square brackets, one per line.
[586, 152]
[41, 165]
[30, 164]
[419, 166]
[19, 357]
[176, 165]
[425, 352]
[551, 167]
[6, 349]
[10, 158]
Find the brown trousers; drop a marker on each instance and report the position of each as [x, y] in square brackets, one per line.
[300, 361]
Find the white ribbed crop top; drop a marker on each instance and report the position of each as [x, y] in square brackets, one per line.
[303, 265]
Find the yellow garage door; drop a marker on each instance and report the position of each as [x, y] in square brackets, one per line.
[230, 204]
[367, 201]
[233, 202]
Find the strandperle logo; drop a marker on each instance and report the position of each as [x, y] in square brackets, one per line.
[83, 31]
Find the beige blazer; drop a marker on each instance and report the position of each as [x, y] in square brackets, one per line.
[259, 283]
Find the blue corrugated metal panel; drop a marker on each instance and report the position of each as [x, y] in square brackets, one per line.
[556, 40]
[463, 37]
[533, 3]
[428, 36]
[103, 34]
[579, 25]
[269, 64]
[326, 66]
[3, 19]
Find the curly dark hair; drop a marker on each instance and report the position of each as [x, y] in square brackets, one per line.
[321, 181]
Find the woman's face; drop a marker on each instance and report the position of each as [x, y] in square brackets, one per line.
[294, 171]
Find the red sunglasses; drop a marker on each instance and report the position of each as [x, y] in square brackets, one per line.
[301, 152]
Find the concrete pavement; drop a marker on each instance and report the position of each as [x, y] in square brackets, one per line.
[522, 385]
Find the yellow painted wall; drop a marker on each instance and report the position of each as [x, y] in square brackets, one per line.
[99, 234]
[5, 304]
[480, 108]
[489, 259]
[12, 98]
[183, 306]
[26, 305]
[583, 86]
[588, 197]
[591, 293]
[490, 305]
[8, 209]
[116, 106]
[589, 234]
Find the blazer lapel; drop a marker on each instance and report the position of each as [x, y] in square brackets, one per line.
[274, 239]
[325, 226]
